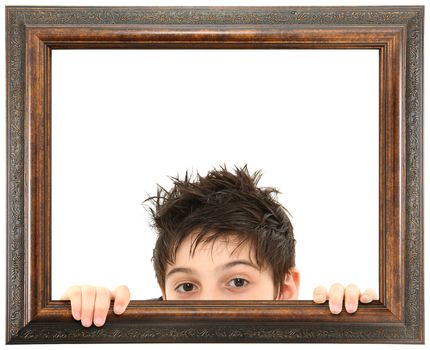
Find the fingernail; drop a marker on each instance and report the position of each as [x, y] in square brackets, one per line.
[86, 323]
[319, 298]
[98, 322]
[365, 298]
[336, 309]
[118, 309]
[350, 308]
[77, 316]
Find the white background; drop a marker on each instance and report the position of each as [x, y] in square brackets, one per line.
[125, 119]
[196, 3]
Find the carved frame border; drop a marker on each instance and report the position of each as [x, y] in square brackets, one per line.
[398, 317]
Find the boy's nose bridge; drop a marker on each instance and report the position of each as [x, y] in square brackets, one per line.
[210, 293]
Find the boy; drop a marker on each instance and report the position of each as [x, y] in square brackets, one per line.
[219, 238]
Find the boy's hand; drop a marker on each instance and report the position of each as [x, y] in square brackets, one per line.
[91, 304]
[338, 293]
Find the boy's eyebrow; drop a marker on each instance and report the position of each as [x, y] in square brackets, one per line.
[238, 262]
[181, 269]
[223, 267]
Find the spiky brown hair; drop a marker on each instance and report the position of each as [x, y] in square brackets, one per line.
[220, 205]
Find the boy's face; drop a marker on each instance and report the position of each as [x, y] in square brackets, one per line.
[217, 273]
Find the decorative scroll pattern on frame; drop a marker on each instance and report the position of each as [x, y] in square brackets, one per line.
[19, 17]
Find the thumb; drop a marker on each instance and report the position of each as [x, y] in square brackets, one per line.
[121, 297]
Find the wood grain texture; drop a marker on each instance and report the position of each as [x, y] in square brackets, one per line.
[397, 32]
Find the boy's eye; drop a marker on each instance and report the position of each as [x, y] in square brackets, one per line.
[238, 282]
[185, 287]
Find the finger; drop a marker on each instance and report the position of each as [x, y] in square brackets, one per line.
[368, 296]
[320, 295]
[336, 298]
[101, 306]
[88, 299]
[352, 294]
[74, 295]
[65, 295]
[121, 296]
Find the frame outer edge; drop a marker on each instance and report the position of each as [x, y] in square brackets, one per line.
[414, 178]
[18, 17]
[15, 58]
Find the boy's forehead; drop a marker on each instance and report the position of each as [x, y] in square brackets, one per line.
[231, 245]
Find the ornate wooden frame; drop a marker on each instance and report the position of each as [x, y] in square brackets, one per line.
[397, 32]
